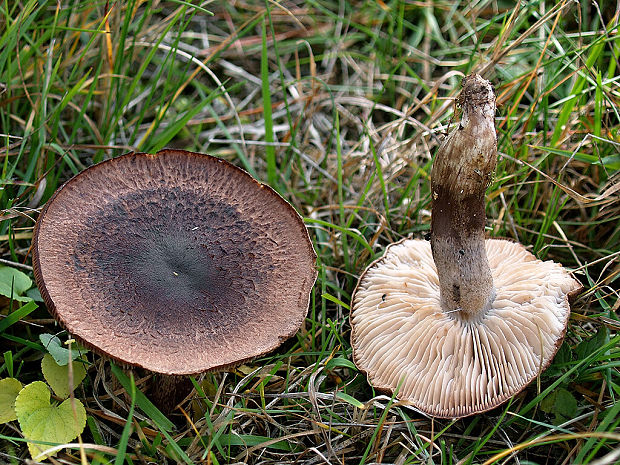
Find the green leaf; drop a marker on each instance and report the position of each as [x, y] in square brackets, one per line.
[560, 362]
[564, 355]
[9, 388]
[247, 440]
[565, 404]
[45, 423]
[560, 403]
[13, 283]
[349, 399]
[34, 294]
[336, 300]
[61, 354]
[58, 376]
[585, 348]
[546, 405]
[340, 362]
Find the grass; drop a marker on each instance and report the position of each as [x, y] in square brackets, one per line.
[341, 114]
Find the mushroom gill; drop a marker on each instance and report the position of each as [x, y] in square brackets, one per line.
[450, 367]
[459, 325]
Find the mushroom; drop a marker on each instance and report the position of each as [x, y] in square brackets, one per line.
[459, 325]
[177, 262]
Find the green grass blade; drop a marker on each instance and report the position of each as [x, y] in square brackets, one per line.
[270, 151]
[122, 443]
[17, 315]
[141, 400]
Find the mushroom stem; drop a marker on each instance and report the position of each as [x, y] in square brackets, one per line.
[461, 172]
[170, 390]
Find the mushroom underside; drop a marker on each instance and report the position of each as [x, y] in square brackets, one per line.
[445, 365]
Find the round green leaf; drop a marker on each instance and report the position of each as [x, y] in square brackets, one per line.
[58, 376]
[60, 353]
[561, 403]
[34, 294]
[12, 278]
[9, 388]
[41, 421]
[13, 283]
[565, 404]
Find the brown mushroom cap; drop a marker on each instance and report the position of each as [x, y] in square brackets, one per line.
[452, 367]
[176, 262]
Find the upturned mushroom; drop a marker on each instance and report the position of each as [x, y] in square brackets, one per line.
[177, 262]
[459, 325]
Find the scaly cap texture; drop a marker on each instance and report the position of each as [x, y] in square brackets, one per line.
[176, 262]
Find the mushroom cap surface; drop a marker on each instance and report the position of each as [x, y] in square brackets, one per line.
[176, 262]
[447, 366]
